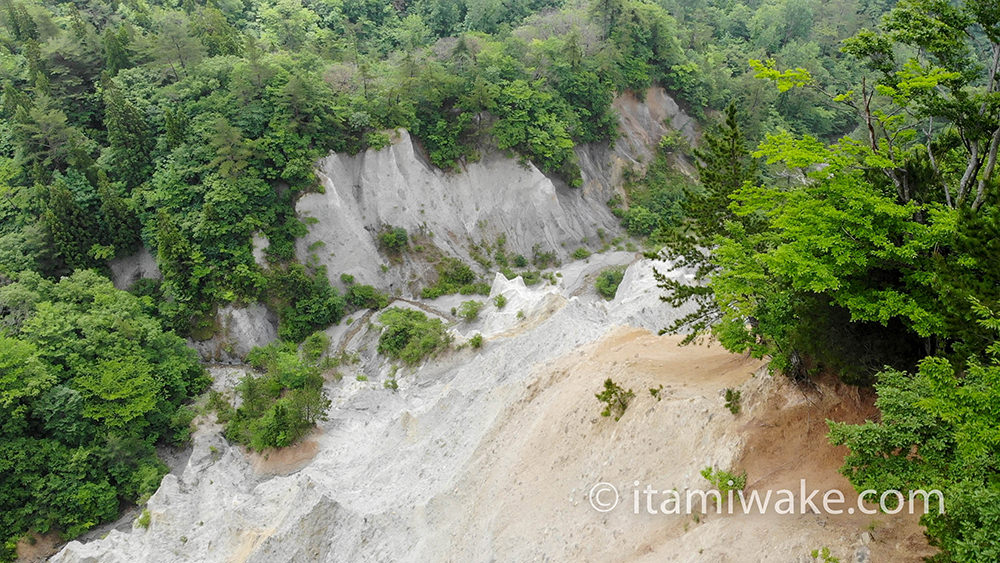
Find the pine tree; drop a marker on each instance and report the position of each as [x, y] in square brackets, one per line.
[120, 225]
[116, 51]
[724, 165]
[130, 137]
[175, 123]
[72, 232]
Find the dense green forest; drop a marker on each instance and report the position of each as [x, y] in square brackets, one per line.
[874, 257]
[845, 219]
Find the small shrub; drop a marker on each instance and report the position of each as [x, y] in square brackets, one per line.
[823, 556]
[640, 221]
[532, 277]
[520, 261]
[733, 400]
[314, 346]
[393, 239]
[454, 276]
[500, 301]
[655, 392]
[144, 519]
[724, 481]
[581, 253]
[410, 336]
[391, 384]
[469, 310]
[615, 399]
[476, 341]
[608, 281]
[541, 259]
[366, 297]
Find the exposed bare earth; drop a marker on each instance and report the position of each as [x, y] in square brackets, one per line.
[530, 480]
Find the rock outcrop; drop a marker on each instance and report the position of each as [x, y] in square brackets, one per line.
[127, 270]
[494, 198]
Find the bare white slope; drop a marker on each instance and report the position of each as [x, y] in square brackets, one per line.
[488, 455]
[493, 197]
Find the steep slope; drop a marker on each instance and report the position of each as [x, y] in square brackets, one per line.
[495, 198]
[489, 455]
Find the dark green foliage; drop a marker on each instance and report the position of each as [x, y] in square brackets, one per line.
[455, 276]
[733, 400]
[363, 296]
[89, 383]
[608, 281]
[657, 200]
[305, 301]
[410, 336]
[393, 239]
[283, 403]
[130, 138]
[72, 228]
[615, 399]
[724, 164]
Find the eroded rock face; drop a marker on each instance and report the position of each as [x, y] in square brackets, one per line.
[240, 329]
[641, 125]
[382, 484]
[496, 197]
[489, 199]
[489, 454]
[127, 270]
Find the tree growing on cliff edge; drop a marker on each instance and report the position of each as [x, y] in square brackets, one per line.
[866, 261]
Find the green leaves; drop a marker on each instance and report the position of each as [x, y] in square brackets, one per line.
[938, 431]
[88, 382]
[410, 336]
[280, 406]
[784, 80]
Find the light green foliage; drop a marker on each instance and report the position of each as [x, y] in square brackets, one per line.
[615, 399]
[937, 432]
[608, 281]
[581, 253]
[144, 519]
[89, 384]
[476, 341]
[468, 311]
[281, 403]
[454, 276]
[315, 346]
[724, 481]
[500, 301]
[410, 336]
[823, 555]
